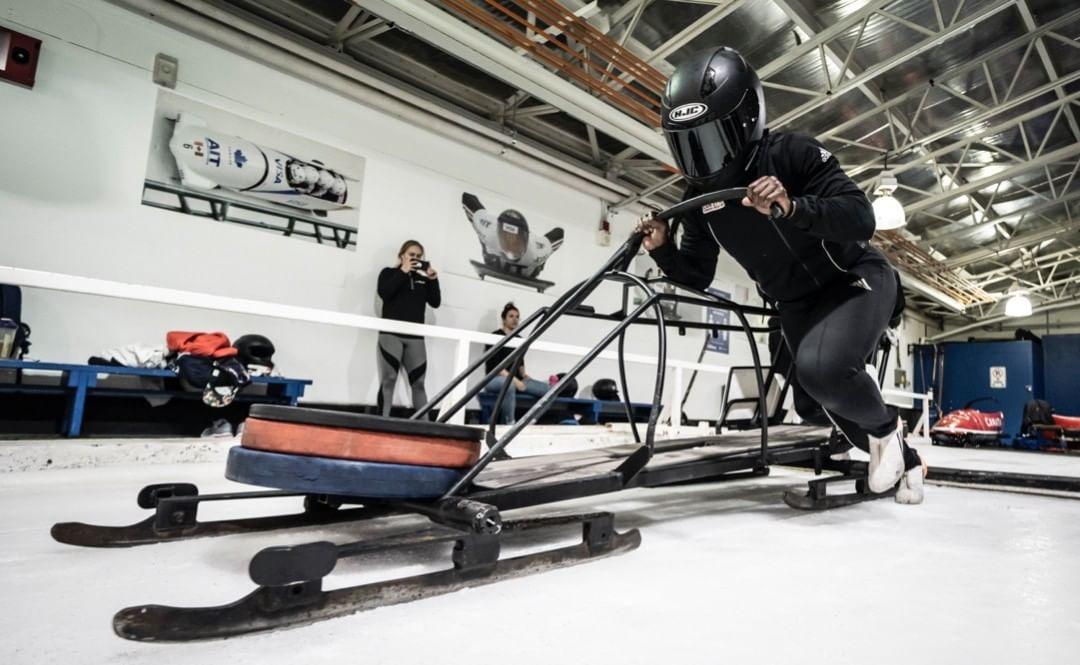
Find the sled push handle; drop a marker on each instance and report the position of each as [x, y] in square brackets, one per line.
[729, 194]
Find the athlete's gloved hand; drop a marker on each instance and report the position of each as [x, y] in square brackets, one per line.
[655, 230]
[764, 192]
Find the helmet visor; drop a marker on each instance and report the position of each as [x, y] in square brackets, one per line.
[703, 151]
[512, 241]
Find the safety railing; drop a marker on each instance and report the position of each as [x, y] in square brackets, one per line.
[462, 338]
[920, 433]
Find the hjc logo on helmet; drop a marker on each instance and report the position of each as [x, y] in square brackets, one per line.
[687, 112]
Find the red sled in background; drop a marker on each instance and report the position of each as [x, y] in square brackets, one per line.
[1045, 429]
[969, 427]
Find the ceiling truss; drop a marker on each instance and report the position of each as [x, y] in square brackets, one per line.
[986, 146]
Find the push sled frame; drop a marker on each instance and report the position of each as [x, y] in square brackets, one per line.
[288, 580]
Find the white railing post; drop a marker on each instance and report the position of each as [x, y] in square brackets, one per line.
[461, 362]
[925, 421]
[677, 392]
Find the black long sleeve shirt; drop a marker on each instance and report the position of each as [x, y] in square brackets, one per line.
[404, 296]
[790, 258]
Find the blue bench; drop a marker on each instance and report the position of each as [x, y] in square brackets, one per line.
[592, 411]
[78, 381]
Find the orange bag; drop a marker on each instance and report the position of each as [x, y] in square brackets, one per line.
[214, 344]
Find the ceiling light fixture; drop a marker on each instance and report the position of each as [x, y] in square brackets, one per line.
[888, 213]
[1018, 305]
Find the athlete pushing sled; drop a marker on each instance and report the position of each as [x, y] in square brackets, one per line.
[802, 234]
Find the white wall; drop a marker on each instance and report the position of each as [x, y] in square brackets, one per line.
[74, 154]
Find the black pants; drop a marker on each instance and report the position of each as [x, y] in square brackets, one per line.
[831, 335]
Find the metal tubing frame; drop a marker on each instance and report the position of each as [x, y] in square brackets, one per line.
[645, 453]
[544, 402]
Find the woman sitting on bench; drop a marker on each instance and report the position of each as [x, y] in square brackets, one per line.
[522, 382]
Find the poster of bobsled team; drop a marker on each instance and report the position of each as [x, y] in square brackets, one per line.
[209, 163]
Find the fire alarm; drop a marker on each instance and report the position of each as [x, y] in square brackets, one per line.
[18, 57]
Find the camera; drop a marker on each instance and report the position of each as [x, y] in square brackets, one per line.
[420, 265]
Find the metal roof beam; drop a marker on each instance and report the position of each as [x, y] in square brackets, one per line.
[924, 159]
[1005, 276]
[1047, 62]
[806, 20]
[352, 15]
[832, 32]
[1017, 242]
[1064, 255]
[694, 30]
[459, 39]
[666, 182]
[1063, 304]
[959, 71]
[926, 290]
[973, 228]
[1061, 154]
[879, 68]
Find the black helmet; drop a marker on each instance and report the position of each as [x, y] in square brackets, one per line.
[255, 350]
[569, 390]
[605, 389]
[513, 234]
[713, 114]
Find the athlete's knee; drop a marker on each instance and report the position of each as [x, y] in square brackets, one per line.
[824, 374]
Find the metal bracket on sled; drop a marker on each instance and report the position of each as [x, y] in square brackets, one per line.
[290, 579]
[817, 495]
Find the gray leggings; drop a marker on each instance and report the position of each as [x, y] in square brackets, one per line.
[397, 353]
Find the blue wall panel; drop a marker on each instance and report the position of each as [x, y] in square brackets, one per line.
[967, 377]
[1061, 356]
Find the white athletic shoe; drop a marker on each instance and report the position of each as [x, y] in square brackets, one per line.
[911, 487]
[886, 460]
[219, 429]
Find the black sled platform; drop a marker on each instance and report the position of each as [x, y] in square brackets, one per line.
[505, 485]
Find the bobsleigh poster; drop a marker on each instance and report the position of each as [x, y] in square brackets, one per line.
[208, 163]
[511, 246]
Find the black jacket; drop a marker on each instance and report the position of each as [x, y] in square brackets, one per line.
[791, 258]
[405, 295]
[500, 355]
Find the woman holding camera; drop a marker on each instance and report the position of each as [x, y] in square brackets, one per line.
[406, 289]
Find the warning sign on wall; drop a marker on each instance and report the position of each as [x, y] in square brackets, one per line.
[997, 377]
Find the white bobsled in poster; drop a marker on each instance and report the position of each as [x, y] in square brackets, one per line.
[510, 251]
[207, 159]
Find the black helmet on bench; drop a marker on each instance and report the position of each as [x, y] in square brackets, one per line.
[606, 390]
[255, 350]
[713, 114]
